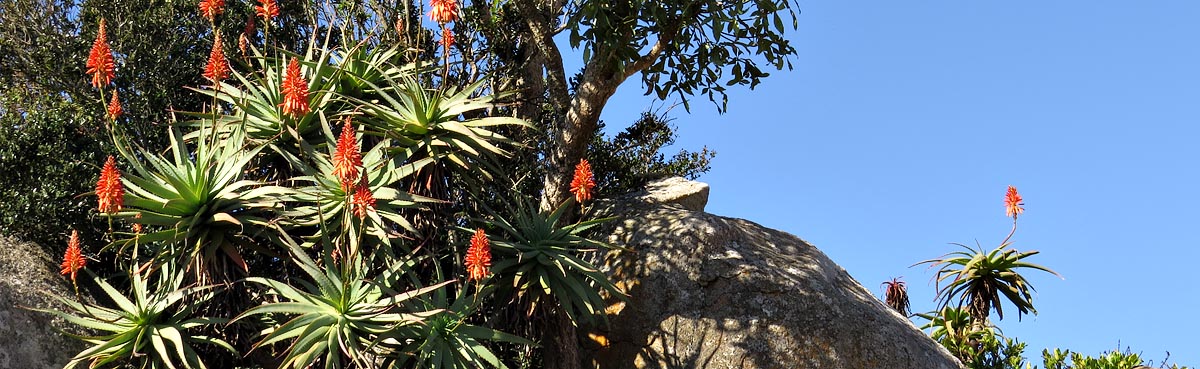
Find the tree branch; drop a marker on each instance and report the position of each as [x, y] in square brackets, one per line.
[542, 38]
[664, 38]
[645, 61]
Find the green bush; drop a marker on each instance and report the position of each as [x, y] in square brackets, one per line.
[1116, 359]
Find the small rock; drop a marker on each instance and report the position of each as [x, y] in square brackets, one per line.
[690, 195]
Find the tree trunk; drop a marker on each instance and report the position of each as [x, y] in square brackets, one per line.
[559, 342]
[570, 141]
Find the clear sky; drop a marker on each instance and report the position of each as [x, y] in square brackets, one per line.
[903, 123]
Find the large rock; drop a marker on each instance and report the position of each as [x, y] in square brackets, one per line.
[714, 292]
[30, 339]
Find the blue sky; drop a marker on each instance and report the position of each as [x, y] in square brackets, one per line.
[903, 123]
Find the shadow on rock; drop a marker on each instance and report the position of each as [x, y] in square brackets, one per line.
[712, 292]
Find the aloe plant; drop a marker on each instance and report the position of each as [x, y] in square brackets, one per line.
[978, 278]
[198, 206]
[341, 314]
[538, 256]
[321, 202]
[953, 329]
[449, 340]
[256, 98]
[151, 328]
[427, 122]
[896, 295]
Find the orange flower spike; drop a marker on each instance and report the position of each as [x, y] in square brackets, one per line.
[73, 260]
[347, 157]
[362, 201]
[269, 9]
[114, 107]
[100, 59]
[295, 91]
[217, 68]
[447, 39]
[1013, 203]
[479, 256]
[443, 11]
[583, 182]
[211, 8]
[109, 188]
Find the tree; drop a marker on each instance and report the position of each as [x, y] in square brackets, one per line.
[628, 160]
[680, 47]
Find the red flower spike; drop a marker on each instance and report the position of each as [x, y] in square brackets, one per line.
[269, 9]
[295, 91]
[479, 256]
[347, 157]
[362, 201]
[583, 182]
[73, 259]
[114, 107]
[211, 8]
[447, 39]
[1013, 203]
[100, 59]
[443, 11]
[109, 188]
[217, 68]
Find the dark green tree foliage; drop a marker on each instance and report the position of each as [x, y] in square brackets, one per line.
[680, 48]
[628, 160]
[45, 166]
[53, 136]
[690, 47]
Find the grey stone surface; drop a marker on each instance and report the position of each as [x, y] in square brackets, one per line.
[690, 195]
[31, 339]
[715, 292]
